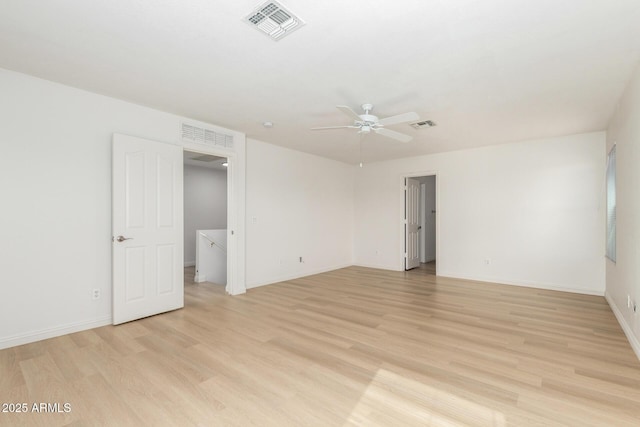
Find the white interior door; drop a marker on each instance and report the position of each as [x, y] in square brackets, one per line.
[147, 244]
[412, 223]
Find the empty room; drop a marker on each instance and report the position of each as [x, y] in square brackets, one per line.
[359, 213]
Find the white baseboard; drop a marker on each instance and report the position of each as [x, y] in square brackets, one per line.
[524, 283]
[295, 276]
[57, 331]
[377, 266]
[635, 344]
[189, 263]
[546, 286]
[244, 291]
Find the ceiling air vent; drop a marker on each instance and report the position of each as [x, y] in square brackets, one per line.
[200, 135]
[206, 158]
[423, 124]
[274, 20]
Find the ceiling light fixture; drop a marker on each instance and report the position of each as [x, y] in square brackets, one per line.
[268, 125]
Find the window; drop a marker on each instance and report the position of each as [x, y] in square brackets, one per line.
[611, 205]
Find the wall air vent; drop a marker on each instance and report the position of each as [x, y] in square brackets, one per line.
[206, 158]
[423, 124]
[201, 135]
[274, 20]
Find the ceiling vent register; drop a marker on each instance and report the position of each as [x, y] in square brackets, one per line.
[210, 137]
[206, 158]
[274, 20]
[423, 124]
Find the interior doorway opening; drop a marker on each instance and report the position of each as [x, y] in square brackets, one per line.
[206, 206]
[420, 222]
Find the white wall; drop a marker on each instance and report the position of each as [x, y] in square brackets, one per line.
[623, 277]
[55, 221]
[534, 209]
[205, 205]
[211, 257]
[298, 205]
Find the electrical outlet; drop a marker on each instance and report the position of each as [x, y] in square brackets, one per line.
[96, 294]
[487, 261]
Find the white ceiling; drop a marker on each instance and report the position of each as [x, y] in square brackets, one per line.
[486, 72]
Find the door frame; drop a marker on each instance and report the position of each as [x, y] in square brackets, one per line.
[401, 205]
[235, 212]
[426, 214]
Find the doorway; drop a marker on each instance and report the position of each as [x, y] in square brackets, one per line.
[148, 226]
[420, 222]
[205, 218]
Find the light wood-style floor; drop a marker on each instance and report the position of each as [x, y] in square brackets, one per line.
[356, 346]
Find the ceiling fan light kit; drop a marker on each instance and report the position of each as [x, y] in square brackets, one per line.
[366, 123]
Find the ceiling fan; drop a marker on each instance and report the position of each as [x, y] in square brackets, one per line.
[365, 123]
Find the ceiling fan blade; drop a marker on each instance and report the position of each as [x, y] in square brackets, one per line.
[334, 127]
[349, 112]
[400, 118]
[393, 134]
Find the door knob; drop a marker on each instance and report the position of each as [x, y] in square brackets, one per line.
[121, 239]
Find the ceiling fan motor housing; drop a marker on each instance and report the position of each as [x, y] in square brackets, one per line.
[369, 119]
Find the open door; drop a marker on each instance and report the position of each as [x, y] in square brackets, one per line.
[429, 204]
[412, 223]
[147, 228]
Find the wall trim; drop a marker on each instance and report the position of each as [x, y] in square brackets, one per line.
[635, 344]
[524, 284]
[297, 276]
[378, 266]
[57, 331]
